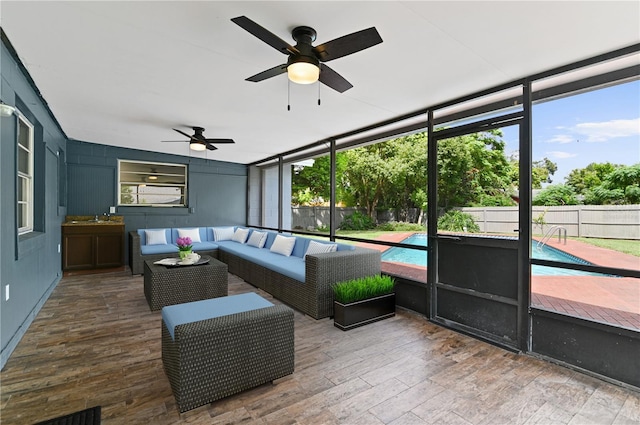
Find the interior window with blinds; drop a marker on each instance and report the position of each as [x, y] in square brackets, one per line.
[152, 184]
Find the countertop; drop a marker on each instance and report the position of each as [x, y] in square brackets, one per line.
[89, 220]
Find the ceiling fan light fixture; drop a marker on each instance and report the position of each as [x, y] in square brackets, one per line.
[197, 146]
[153, 177]
[303, 72]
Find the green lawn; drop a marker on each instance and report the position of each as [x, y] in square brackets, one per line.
[364, 234]
[620, 245]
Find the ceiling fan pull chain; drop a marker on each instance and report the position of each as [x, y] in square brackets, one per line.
[318, 92]
[288, 95]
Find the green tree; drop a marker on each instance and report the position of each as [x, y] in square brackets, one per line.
[473, 170]
[584, 179]
[311, 185]
[620, 186]
[387, 174]
[541, 171]
[557, 194]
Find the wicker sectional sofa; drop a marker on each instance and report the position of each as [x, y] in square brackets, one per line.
[301, 280]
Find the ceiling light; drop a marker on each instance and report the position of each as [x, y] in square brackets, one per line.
[197, 146]
[303, 72]
[6, 110]
[153, 177]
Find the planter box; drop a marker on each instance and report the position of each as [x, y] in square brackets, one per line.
[349, 316]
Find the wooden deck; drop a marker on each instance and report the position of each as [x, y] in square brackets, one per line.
[611, 300]
[95, 342]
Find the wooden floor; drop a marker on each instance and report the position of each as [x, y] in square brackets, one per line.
[95, 342]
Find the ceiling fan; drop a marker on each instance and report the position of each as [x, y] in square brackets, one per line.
[303, 65]
[197, 141]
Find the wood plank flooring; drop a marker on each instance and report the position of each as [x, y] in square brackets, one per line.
[95, 342]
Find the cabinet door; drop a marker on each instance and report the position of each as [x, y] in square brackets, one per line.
[78, 252]
[109, 250]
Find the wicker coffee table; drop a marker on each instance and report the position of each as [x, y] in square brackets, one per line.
[176, 285]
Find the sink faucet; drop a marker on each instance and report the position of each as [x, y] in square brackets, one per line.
[95, 218]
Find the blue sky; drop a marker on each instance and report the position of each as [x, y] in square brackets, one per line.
[597, 126]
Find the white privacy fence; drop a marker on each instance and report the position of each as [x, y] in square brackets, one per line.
[596, 221]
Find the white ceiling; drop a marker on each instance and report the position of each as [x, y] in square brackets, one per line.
[126, 73]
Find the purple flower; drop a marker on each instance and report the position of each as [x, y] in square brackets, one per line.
[184, 244]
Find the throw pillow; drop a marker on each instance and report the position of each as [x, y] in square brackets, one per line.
[240, 235]
[223, 233]
[319, 248]
[257, 239]
[283, 245]
[156, 237]
[193, 234]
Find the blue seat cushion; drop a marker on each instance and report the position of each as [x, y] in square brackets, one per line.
[158, 249]
[293, 267]
[179, 314]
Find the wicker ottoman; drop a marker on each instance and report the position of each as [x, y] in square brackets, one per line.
[176, 285]
[214, 348]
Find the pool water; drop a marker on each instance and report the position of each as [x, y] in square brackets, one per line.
[419, 258]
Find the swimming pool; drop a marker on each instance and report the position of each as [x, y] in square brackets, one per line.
[419, 258]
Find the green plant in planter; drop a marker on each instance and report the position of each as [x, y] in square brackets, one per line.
[362, 288]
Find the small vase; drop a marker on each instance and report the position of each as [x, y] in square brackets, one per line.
[183, 254]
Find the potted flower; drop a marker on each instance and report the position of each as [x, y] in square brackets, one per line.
[184, 246]
[363, 300]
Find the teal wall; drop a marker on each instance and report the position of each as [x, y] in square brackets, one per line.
[217, 191]
[30, 264]
[80, 178]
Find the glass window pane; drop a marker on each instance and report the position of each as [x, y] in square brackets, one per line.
[478, 183]
[147, 183]
[311, 194]
[586, 175]
[24, 135]
[23, 161]
[23, 189]
[23, 219]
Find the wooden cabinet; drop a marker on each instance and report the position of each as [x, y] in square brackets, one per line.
[92, 246]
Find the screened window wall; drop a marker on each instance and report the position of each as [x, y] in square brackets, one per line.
[522, 201]
[586, 205]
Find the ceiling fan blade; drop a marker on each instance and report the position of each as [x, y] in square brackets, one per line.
[211, 147]
[276, 70]
[219, 140]
[347, 44]
[334, 80]
[188, 136]
[265, 35]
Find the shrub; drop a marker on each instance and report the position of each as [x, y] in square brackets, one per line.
[457, 221]
[401, 226]
[357, 221]
[362, 288]
[558, 194]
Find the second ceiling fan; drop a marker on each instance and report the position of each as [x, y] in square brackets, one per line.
[303, 65]
[197, 141]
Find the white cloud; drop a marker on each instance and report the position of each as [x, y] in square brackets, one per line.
[606, 130]
[561, 154]
[562, 139]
